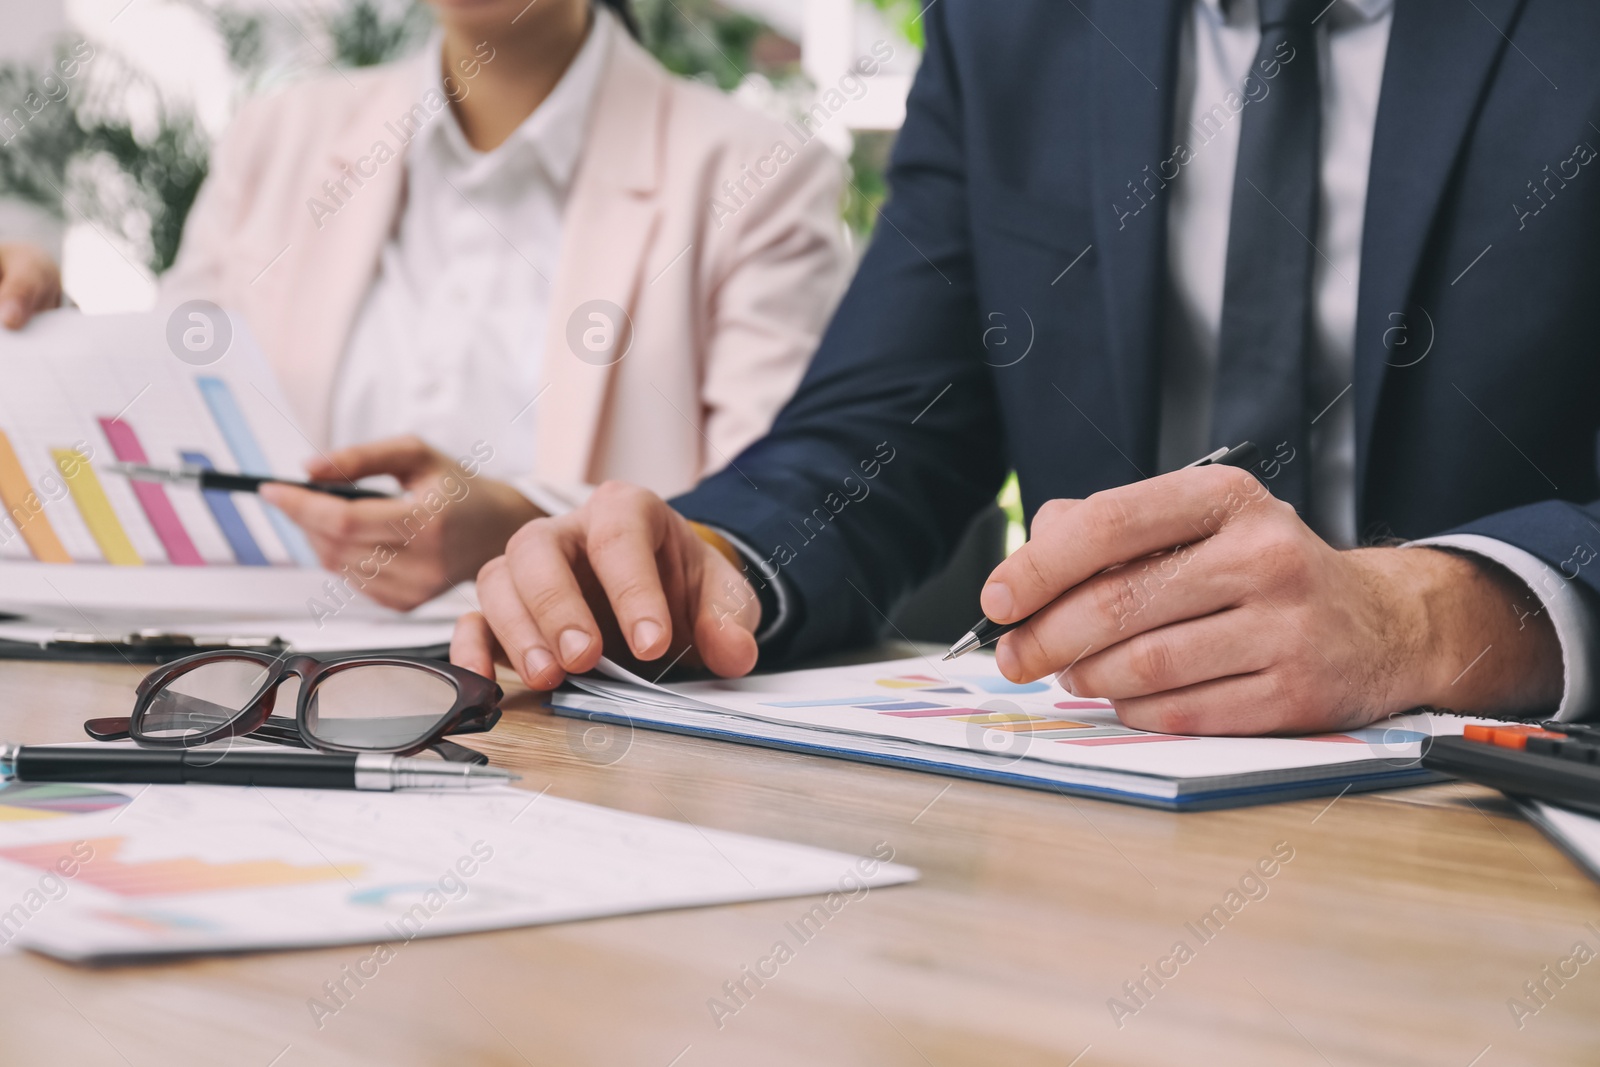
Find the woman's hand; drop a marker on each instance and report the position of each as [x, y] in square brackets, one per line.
[407, 551]
[30, 282]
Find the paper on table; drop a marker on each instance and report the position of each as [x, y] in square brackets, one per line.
[216, 868]
[970, 705]
[967, 718]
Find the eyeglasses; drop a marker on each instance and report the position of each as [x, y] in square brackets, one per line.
[351, 704]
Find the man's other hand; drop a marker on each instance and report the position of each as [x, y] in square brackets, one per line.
[625, 576]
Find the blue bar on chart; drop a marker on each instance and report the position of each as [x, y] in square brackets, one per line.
[245, 549]
[247, 453]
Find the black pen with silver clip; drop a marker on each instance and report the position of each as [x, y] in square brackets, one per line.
[986, 631]
[240, 766]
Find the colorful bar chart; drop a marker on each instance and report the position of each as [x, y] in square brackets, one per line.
[68, 416]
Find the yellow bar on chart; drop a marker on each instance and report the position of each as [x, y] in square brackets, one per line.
[26, 509]
[95, 508]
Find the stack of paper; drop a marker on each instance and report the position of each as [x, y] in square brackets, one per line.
[965, 718]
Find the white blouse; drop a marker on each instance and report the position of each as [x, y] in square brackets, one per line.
[450, 338]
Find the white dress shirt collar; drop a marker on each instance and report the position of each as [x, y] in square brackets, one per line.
[552, 137]
[1245, 10]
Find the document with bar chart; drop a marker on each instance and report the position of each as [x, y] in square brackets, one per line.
[965, 718]
[78, 540]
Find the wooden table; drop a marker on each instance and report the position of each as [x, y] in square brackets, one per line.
[1396, 934]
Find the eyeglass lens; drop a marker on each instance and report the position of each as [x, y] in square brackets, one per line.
[202, 699]
[381, 707]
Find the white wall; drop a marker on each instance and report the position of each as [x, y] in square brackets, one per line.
[29, 25]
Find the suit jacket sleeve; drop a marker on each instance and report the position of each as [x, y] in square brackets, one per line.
[872, 471]
[1564, 535]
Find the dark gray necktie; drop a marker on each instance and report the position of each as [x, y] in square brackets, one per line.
[1263, 351]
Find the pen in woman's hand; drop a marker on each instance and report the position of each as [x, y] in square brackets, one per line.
[236, 483]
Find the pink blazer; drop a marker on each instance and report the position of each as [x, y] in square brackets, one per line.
[728, 295]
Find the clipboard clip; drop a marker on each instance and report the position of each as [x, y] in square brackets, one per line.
[162, 642]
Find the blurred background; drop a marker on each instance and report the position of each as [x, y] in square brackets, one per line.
[102, 167]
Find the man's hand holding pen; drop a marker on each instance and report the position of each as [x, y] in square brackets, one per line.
[1200, 604]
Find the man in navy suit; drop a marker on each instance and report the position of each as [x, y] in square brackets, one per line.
[1363, 233]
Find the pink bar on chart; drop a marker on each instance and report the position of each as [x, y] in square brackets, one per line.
[152, 497]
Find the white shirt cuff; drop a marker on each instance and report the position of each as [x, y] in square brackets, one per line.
[780, 594]
[1574, 622]
[553, 500]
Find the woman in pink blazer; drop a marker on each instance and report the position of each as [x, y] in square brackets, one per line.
[524, 262]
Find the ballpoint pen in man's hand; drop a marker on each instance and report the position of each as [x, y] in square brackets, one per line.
[239, 766]
[986, 631]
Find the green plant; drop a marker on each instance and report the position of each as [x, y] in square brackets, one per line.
[1010, 501]
[164, 173]
[156, 178]
[906, 15]
[366, 32]
[244, 34]
[698, 39]
[81, 156]
[40, 138]
[867, 190]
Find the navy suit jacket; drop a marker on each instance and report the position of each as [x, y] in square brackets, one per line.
[1030, 130]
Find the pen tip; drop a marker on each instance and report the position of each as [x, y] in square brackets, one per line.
[967, 643]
